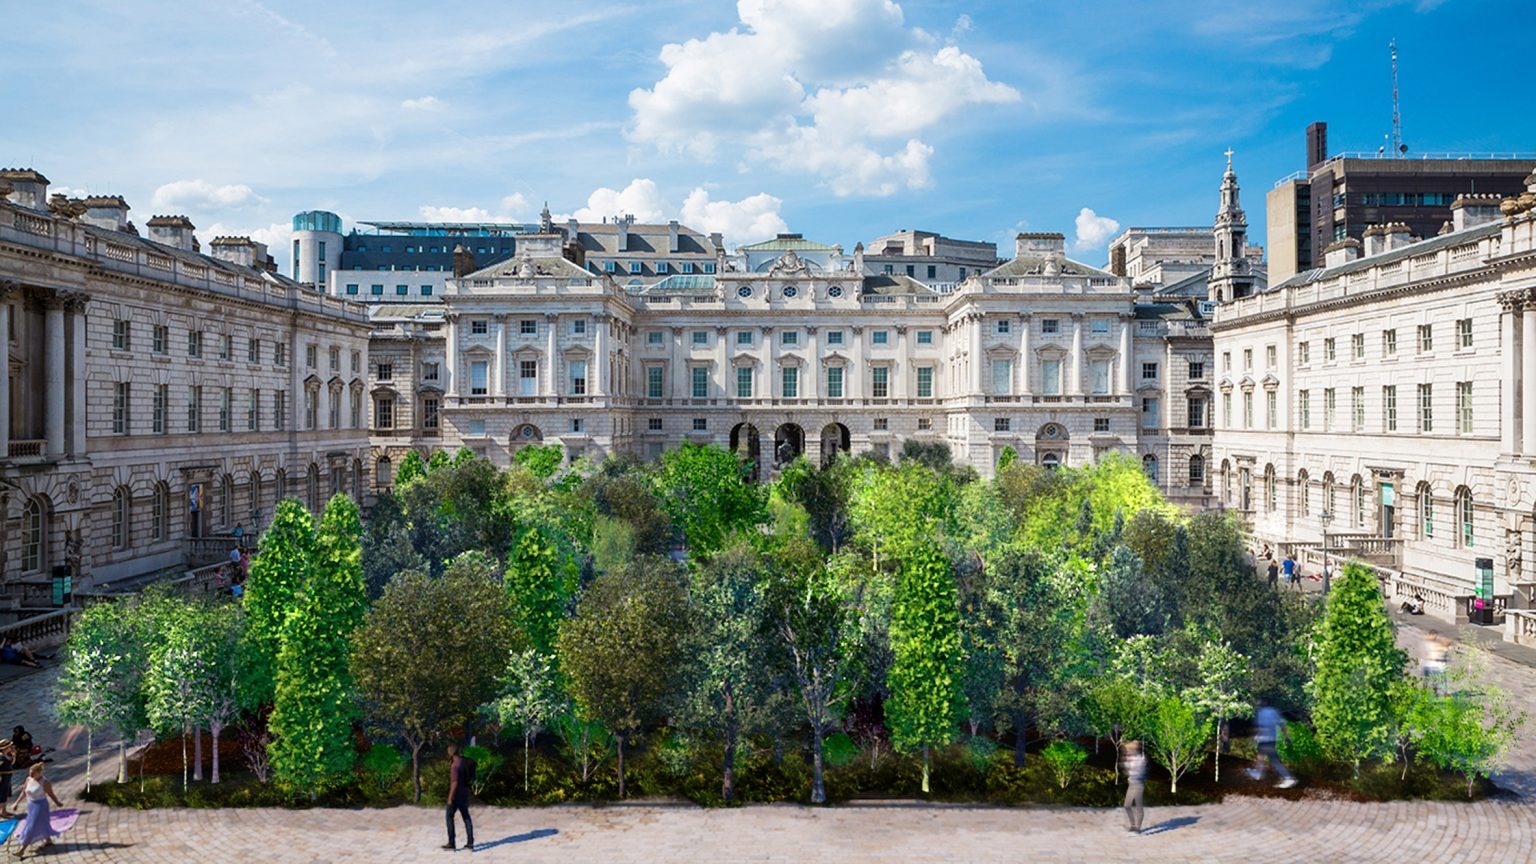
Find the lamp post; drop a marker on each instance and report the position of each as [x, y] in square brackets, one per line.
[1324, 518]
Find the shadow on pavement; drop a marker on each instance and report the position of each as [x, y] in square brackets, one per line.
[1171, 825]
[535, 834]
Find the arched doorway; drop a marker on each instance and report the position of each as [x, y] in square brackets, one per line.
[1051, 442]
[747, 446]
[788, 444]
[834, 440]
[526, 435]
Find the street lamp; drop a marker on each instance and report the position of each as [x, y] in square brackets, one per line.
[1324, 518]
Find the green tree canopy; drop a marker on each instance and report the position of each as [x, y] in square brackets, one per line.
[282, 565]
[706, 494]
[1358, 662]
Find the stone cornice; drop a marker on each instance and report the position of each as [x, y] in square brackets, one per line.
[1291, 313]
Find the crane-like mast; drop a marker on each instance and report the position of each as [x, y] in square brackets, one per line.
[1398, 147]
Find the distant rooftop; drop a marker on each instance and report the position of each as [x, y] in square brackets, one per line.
[786, 242]
[451, 229]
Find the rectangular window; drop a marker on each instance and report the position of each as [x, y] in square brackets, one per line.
[1101, 424]
[882, 424]
[1196, 412]
[384, 413]
[654, 337]
[1196, 370]
[1304, 409]
[376, 290]
[311, 409]
[1303, 353]
[194, 343]
[687, 266]
[352, 288]
[253, 410]
[426, 290]
[880, 382]
[1002, 377]
[834, 337]
[226, 397]
[1150, 415]
[121, 335]
[700, 424]
[160, 339]
[402, 290]
[1149, 371]
[1226, 361]
[528, 327]
[1002, 424]
[226, 346]
[253, 351]
[610, 266]
[311, 356]
[743, 337]
[429, 371]
[1426, 407]
[1248, 410]
[653, 424]
[1357, 346]
[1269, 357]
[743, 382]
[527, 377]
[333, 415]
[925, 337]
[1005, 326]
[1271, 409]
[1464, 333]
[279, 409]
[1388, 343]
[479, 378]
[1226, 409]
[1099, 327]
[1357, 408]
[195, 409]
[120, 396]
[1389, 408]
[1426, 338]
[791, 337]
[1464, 406]
[700, 382]
[880, 337]
[1050, 326]
[1247, 359]
[1050, 377]
[1099, 373]
[791, 382]
[662, 269]
[335, 359]
[925, 424]
[635, 267]
[479, 327]
[578, 377]
[835, 382]
[925, 382]
[1330, 406]
[386, 372]
[1329, 350]
[279, 354]
[653, 382]
[701, 337]
[356, 408]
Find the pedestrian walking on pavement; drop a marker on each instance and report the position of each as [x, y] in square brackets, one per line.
[1288, 567]
[1134, 763]
[38, 825]
[1274, 573]
[461, 776]
[1268, 726]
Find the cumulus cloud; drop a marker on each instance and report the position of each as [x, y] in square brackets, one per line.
[1093, 230]
[202, 195]
[513, 208]
[276, 236]
[839, 89]
[423, 103]
[640, 198]
[753, 218]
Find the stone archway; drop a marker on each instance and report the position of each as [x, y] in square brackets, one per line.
[1051, 443]
[747, 446]
[834, 440]
[788, 444]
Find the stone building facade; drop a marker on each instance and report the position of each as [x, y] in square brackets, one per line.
[156, 394]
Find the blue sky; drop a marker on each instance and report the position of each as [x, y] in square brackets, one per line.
[841, 119]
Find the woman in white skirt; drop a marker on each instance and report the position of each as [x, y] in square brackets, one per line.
[37, 826]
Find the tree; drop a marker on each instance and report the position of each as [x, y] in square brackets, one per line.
[530, 697]
[818, 628]
[705, 492]
[281, 566]
[540, 580]
[925, 634]
[1119, 709]
[1357, 663]
[1471, 729]
[387, 547]
[1037, 616]
[542, 460]
[177, 679]
[624, 649]
[1130, 602]
[412, 467]
[100, 683]
[1177, 734]
[1221, 693]
[430, 651]
[312, 748]
[731, 684]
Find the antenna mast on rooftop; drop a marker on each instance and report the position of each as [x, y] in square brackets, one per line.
[1398, 147]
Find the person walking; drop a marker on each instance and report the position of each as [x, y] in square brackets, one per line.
[38, 825]
[1288, 568]
[1268, 726]
[1134, 763]
[461, 775]
[8, 758]
[1274, 573]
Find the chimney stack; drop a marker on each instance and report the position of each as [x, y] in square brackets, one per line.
[1375, 240]
[463, 262]
[672, 236]
[1341, 252]
[1468, 211]
[174, 231]
[106, 211]
[1397, 235]
[29, 189]
[622, 224]
[242, 251]
[1040, 245]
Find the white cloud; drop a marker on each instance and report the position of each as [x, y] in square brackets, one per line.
[515, 204]
[753, 218]
[1093, 230]
[276, 236]
[424, 103]
[834, 88]
[182, 195]
[640, 198]
[513, 208]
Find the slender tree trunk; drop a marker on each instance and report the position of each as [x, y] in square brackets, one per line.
[1216, 756]
[184, 733]
[925, 769]
[214, 729]
[88, 744]
[620, 739]
[122, 760]
[527, 745]
[197, 753]
[728, 784]
[818, 788]
[416, 769]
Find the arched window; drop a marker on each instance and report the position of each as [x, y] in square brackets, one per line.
[227, 502]
[1149, 465]
[160, 511]
[1357, 500]
[1328, 498]
[254, 496]
[1226, 480]
[1426, 512]
[1303, 493]
[34, 536]
[121, 498]
[313, 487]
[1196, 470]
[280, 484]
[1051, 461]
[383, 473]
[1464, 517]
[1271, 494]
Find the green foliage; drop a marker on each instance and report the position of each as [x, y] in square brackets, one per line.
[613, 543]
[457, 507]
[438, 461]
[1119, 709]
[1358, 661]
[824, 496]
[99, 683]
[926, 674]
[530, 697]
[1064, 757]
[380, 769]
[1299, 748]
[706, 494]
[623, 492]
[313, 708]
[1471, 730]
[281, 567]
[487, 763]
[1079, 505]
[623, 650]
[540, 579]
[1129, 600]
[1221, 692]
[1006, 457]
[412, 467]
[387, 547]
[1177, 736]
[429, 653]
[894, 510]
[839, 750]
[543, 460]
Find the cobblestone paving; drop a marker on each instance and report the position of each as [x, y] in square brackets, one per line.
[1238, 830]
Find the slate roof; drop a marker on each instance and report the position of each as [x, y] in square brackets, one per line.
[1412, 250]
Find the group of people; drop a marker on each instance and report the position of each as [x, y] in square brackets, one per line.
[1268, 728]
[20, 754]
[12, 651]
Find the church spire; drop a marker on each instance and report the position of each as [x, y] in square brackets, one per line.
[1232, 273]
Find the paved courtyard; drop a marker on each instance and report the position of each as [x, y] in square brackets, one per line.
[1239, 830]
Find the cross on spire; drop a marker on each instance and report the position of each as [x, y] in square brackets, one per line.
[1229, 158]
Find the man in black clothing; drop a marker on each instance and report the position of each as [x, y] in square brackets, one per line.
[461, 775]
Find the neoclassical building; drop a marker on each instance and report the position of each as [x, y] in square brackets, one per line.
[156, 394]
[1389, 400]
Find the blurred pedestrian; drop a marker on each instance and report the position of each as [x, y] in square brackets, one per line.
[38, 825]
[461, 776]
[1274, 573]
[1268, 726]
[1437, 654]
[1288, 568]
[1134, 763]
[8, 766]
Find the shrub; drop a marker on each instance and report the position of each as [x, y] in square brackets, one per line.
[675, 755]
[1299, 748]
[1064, 758]
[838, 749]
[487, 763]
[980, 749]
[379, 770]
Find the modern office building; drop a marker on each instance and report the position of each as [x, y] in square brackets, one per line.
[157, 396]
[930, 258]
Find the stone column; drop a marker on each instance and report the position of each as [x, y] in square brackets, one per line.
[75, 303]
[53, 371]
[499, 368]
[770, 351]
[723, 363]
[854, 376]
[551, 326]
[600, 356]
[1528, 381]
[976, 322]
[1126, 387]
[1024, 358]
[1075, 374]
[905, 385]
[811, 376]
[679, 371]
[1509, 422]
[6, 288]
[451, 347]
